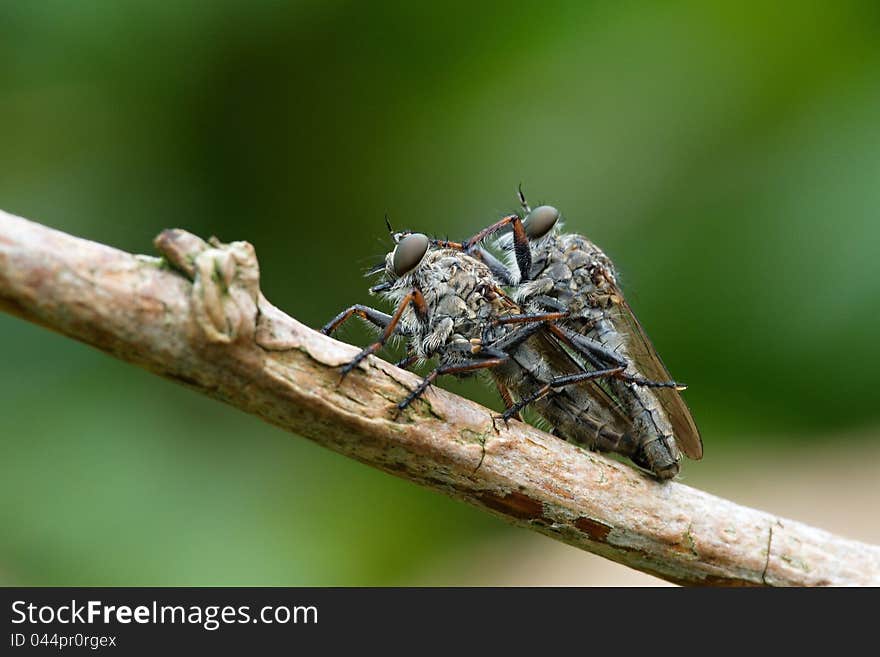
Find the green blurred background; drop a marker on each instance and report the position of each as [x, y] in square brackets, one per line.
[727, 158]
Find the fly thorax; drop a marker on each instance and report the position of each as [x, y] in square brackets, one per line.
[602, 276]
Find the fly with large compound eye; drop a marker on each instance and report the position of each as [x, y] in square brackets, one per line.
[568, 273]
[408, 253]
[469, 325]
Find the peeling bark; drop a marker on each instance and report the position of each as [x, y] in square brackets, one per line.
[196, 316]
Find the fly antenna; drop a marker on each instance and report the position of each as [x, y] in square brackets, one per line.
[395, 236]
[522, 199]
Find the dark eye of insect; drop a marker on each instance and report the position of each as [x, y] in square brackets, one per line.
[540, 221]
[409, 253]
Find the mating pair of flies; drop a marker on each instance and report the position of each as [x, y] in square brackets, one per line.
[550, 325]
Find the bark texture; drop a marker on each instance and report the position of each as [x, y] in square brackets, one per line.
[196, 316]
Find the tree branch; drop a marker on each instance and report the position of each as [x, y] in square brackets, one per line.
[197, 316]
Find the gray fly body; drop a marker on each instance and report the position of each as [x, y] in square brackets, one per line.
[460, 296]
[449, 306]
[568, 273]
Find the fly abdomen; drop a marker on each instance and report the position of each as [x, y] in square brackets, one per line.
[582, 420]
[649, 439]
[657, 447]
[657, 455]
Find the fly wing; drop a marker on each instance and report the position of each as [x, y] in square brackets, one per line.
[561, 361]
[649, 365]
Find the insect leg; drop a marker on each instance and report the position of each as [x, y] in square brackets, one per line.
[535, 320]
[548, 302]
[597, 354]
[417, 300]
[500, 348]
[507, 398]
[510, 220]
[498, 268]
[600, 356]
[520, 242]
[485, 357]
[529, 318]
[515, 337]
[556, 383]
[377, 317]
[647, 383]
[405, 363]
[470, 365]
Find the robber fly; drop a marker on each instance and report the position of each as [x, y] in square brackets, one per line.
[550, 270]
[451, 307]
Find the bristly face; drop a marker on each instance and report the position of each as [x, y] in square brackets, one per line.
[459, 291]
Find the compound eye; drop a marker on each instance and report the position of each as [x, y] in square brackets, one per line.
[409, 253]
[540, 221]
